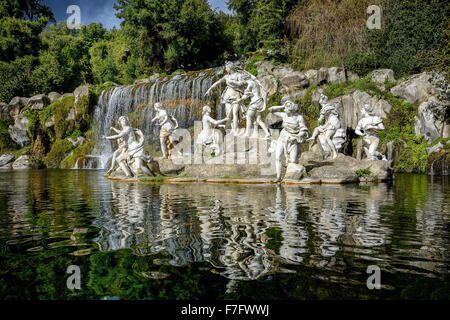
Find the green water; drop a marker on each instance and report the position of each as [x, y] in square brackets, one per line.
[213, 241]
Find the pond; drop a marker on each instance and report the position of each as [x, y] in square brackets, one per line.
[218, 241]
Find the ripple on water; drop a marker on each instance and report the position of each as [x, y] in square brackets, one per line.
[244, 232]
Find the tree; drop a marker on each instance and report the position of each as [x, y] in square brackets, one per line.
[172, 34]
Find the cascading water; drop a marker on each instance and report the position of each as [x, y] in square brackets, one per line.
[182, 95]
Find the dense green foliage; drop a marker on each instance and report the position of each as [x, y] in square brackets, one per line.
[414, 37]
[164, 36]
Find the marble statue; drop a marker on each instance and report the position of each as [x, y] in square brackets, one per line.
[368, 128]
[168, 125]
[331, 135]
[294, 132]
[130, 151]
[236, 81]
[210, 136]
[258, 96]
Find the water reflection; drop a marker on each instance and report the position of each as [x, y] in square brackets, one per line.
[243, 232]
[250, 231]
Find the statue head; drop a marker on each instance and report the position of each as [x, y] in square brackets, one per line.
[206, 109]
[231, 67]
[323, 99]
[158, 106]
[124, 121]
[290, 106]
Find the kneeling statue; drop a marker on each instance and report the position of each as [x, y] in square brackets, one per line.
[130, 151]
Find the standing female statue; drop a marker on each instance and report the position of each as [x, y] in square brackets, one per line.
[294, 132]
[235, 86]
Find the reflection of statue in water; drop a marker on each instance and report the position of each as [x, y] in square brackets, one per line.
[168, 125]
[258, 95]
[368, 128]
[131, 150]
[235, 86]
[294, 132]
[330, 134]
[209, 136]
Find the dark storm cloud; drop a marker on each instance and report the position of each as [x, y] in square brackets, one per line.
[101, 10]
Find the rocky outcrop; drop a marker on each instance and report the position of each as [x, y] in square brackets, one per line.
[433, 119]
[39, 102]
[18, 131]
[381, 75]
[23, 162]
[54, 96]
[294, 82]
[344, 169]
[6, 160]
[419, 87]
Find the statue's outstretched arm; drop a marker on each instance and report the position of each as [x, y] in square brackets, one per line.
[214, 85]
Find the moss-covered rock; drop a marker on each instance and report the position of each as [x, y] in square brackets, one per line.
[60, 150]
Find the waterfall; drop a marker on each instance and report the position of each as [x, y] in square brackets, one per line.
[390, 150]
[182, 95]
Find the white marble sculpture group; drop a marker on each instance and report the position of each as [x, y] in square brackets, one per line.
[240, 87]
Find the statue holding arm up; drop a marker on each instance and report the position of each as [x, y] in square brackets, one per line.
[294, 132]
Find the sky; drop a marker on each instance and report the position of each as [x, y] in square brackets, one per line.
[101, 10]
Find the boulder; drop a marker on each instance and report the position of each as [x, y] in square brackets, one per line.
[336, 75]
[334, 174]
[18, 131]
[53, 96]
[6, 160]
[4, 112]
[65, 95]
[264, 68]
[381, 75]
[81, 92]
[351, 76]
[39, 102]
[294, 81]
[16, 105]
[23, 162]
[269, 83]
[419, 87]
[294, 171]
[436, 148]
[317, 77]
[433, 119]
[281, 71]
